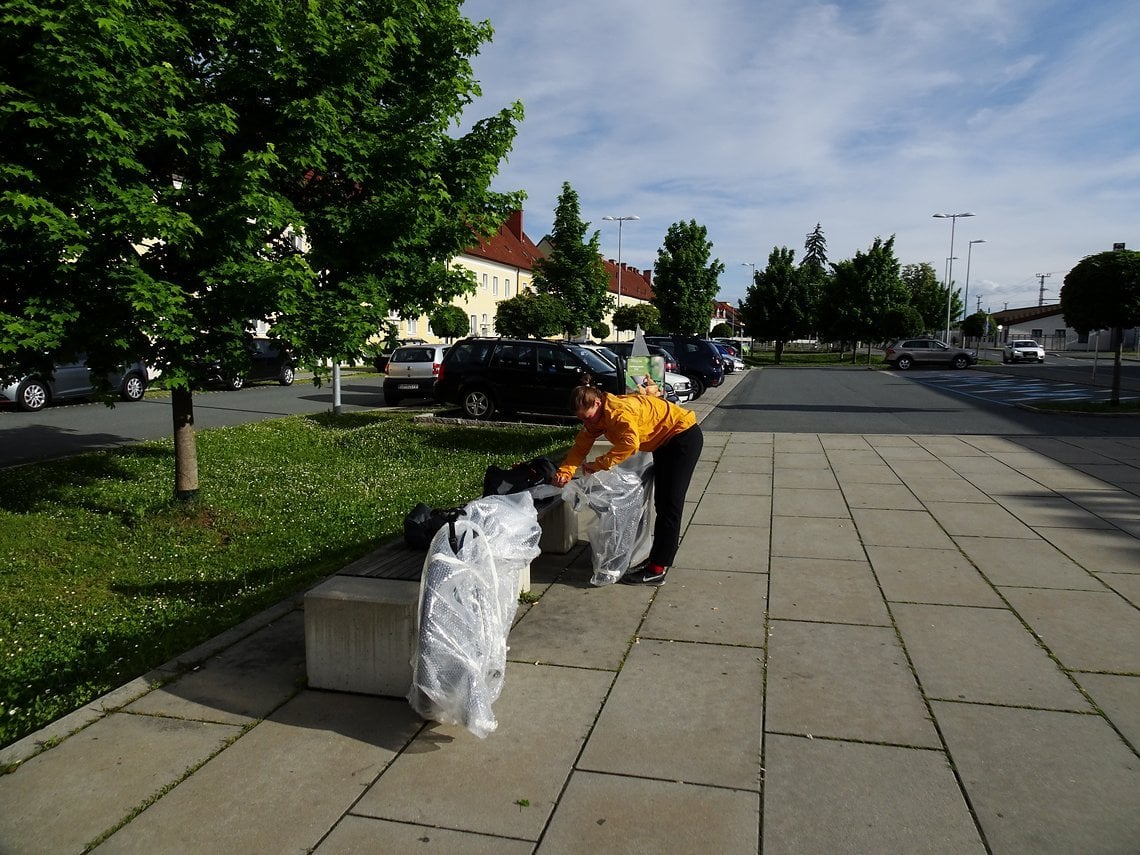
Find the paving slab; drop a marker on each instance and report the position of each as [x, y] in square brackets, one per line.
[298, 772]
[1112, 550]
[1016, 562]
[66, 797]
[843, 442]
[1063, 478]
[670, 703]
[885, 496]
[1086, 630]
[956, 489]
[449, 777]
[816, 537]
[1109, 504]
[947, 447]
[597, 814]
[827, 590]
[844, 682]
[941, 576]
[978, 519]
[1125, 584]
[746, 463]
[719, 547]
[824, 795]
[1007, 482]
[1119, 698]
[580, 626]
[921, 470]
[1042, 781]
[900, 448]
[723, 509]
[802, 459]
[797, 443]
[1051, 512]
[858, 473]
[900, 528]
[356, 834]
[740, 484]
[245, 682]
[983, 656]
[791, 502]
[812, 479]
[711, 606]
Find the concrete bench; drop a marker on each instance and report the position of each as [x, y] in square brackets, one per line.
[361, 624]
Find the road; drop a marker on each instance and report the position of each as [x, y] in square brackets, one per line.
[66, 429]
[917, 402]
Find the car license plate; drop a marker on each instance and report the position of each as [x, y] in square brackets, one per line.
[409, 386]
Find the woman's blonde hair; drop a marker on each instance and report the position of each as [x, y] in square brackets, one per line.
[583, 397]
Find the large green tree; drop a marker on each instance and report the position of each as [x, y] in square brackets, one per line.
[530, 315]
[864, 295]
[776, 306]
[1103, 292]
[928, 296]
[174, 174]
[644, 315]
[574, 271]
[814, 272]
[685, 281]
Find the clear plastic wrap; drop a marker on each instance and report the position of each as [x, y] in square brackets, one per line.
[620, 530]
[468, 601]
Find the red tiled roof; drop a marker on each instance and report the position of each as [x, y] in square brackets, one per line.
[636, 284]
[509, 246]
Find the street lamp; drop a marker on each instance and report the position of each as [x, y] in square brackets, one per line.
[953, 218]
[966, 295]
[619, 221]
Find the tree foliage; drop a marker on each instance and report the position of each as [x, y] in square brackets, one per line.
[530, 315]
[814, 273]
[684, 280]
[926, 294]
[574, 271]
[449, 321]
[722, 330]
[643, 315]
[160, 165]
[864, 295]
[776, 305]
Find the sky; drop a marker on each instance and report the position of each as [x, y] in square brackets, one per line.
[759, 119]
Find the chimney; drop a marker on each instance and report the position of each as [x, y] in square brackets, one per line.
[515, 224]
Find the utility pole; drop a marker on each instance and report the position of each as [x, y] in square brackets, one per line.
[1041, 293]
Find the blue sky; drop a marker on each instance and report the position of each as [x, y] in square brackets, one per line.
[760, 118]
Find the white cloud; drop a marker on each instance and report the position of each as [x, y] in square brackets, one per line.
[759, 120]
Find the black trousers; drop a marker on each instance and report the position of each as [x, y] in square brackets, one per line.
[673, 465]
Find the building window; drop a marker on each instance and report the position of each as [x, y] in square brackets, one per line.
[414, 326]
[484, 281]
[495, 286]
[1037, 334]
[506, 287]
[475, 323]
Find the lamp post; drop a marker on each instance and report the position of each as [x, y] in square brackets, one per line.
[619, 221]
[966, 294]
[953, 218]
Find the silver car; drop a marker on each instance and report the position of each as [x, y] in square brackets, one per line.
[411, 372]
[73, 380]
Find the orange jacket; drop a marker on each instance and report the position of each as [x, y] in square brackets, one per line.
[631, 423]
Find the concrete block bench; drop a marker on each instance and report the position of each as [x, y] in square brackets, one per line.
[361, 625]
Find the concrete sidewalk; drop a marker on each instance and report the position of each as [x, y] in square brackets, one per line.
[868, 644]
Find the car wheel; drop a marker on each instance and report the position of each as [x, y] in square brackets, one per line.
[234, 383]
[478, 404]
[287, 376]
[961, 361]
[391, 398]
[698, 386]
[134, 387]
[903, 363]
[32, 396]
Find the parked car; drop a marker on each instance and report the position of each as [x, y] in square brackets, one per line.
[1023, 350]
[487, 375]
[380, 361]
[678, 387]
[625, 348]
[699, 360]
[73, 380]
[268, 360]
[411, 372]
[732, 362]
[926, 351]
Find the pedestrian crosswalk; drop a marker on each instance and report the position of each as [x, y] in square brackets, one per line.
[1010, 391]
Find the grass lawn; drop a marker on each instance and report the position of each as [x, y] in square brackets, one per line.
[103, 576]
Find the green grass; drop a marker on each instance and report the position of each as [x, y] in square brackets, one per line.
[816, 358]
[103, 576]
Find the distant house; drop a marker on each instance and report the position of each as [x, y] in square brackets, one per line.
[1046, 325]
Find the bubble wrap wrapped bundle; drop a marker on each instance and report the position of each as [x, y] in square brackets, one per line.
[468, 601]
[619, 532]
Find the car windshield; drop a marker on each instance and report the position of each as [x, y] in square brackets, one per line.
[593, 361]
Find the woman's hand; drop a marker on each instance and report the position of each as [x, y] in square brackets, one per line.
[559, 479]
[589, 468]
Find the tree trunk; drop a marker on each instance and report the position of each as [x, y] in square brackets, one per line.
[185, 445]
[779, 350]
[1117, 346]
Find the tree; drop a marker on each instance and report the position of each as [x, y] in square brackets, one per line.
[684, 281]
[164, 167]
[449, 322]
[1103, 292]
[776, 305]
[864, 295]
[530, 315]
[814, 272]
[977, 325]
[642, 315]
[574, 271]
[721, 330]
[601, 330]
[928, 296]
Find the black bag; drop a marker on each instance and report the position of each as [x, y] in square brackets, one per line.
[420, 526]
[521, 476]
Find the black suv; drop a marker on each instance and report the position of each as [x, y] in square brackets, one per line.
[267, 360]
[485, 375]
[699, 359]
